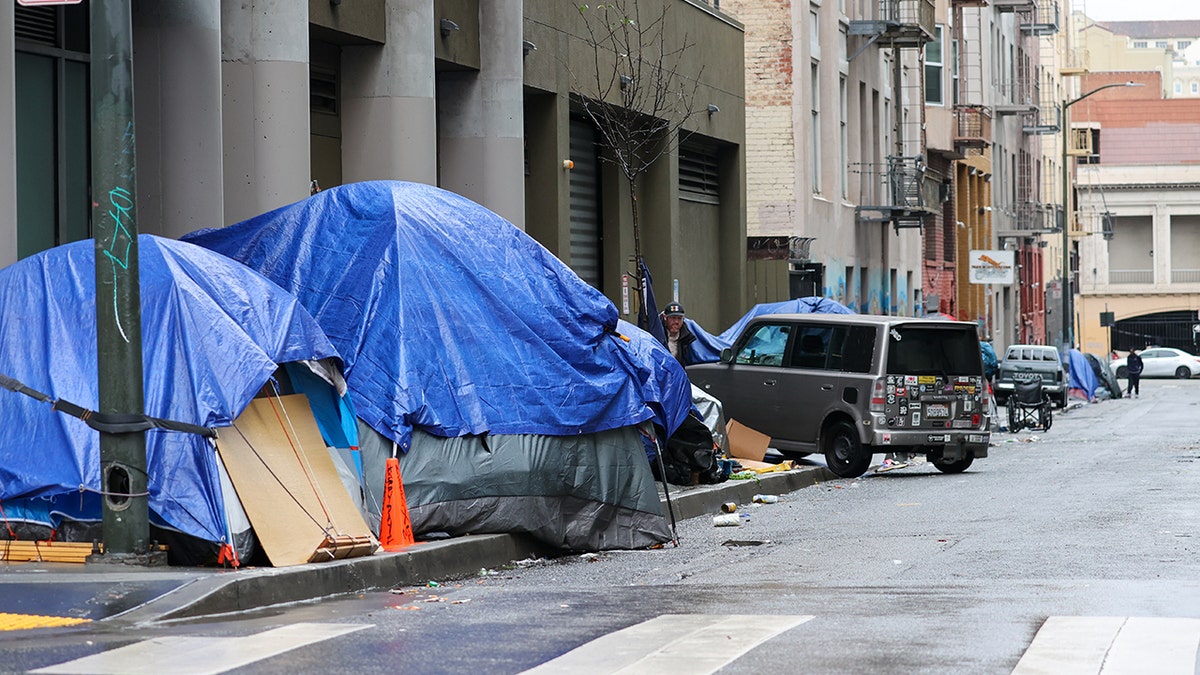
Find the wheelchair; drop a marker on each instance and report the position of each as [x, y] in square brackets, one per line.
[1029, 407]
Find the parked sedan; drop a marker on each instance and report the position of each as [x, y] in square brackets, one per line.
[1163, 362]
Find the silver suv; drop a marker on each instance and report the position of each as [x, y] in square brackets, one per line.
[851, 385]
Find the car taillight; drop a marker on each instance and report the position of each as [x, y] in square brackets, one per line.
[878, 396]
[975, 420]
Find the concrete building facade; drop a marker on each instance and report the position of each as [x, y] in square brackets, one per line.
[241, 107]
[1138, 190]
[834, 111]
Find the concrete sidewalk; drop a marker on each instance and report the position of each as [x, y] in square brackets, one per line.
[128, 595]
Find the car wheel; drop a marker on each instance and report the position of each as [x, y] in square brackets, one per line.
[958, 466]
[1122, 373]
[1001, 401]
[844, 453]
[1183, 372]
[1047, 417]
[1063, 400]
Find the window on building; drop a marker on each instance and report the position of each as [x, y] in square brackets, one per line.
[934, 94]
[814, 33]
[954, 73]
[815, 153]
[1195, 88]
[1162, 44]
[1178, 87]
[53, 129]
[1183, 44]
[1140, 44]
[843, 138]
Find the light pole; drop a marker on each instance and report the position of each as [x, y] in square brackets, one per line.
[1068, 319]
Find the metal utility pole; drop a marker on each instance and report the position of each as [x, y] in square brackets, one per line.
[123, 476]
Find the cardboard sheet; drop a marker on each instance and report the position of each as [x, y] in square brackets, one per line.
[287, 481]
[746, 443]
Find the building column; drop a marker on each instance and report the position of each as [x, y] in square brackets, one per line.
[265, 106]
[177, 90]
[483, 157]
[389, 104]
[1160, 237]
[8, 137]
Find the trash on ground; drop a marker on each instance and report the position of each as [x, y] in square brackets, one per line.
[742, 542]
[765, 499]
[729, 507]
[727, 520]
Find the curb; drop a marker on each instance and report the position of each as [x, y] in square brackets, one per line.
[244, 590]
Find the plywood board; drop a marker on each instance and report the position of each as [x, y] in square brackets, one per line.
[286, 479]
[746, 443]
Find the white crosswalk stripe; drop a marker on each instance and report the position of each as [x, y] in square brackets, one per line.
[1102, 645]
[201, 655]
[672, 643]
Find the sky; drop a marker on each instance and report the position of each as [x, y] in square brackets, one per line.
[1138, 10]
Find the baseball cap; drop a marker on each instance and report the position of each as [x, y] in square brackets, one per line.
[673, 309]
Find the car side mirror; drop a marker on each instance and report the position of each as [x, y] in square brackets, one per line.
[727, 355]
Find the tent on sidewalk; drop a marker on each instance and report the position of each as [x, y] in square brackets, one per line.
[213, 334]
[500, 377]
[708, 346]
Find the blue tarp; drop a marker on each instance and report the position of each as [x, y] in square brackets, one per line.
[708, 346]
[213, 332]
[450, 318]
[1081, 376]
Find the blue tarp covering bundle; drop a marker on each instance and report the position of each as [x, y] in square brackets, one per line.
[510, 384]
[213, 332]
[1081, 377]
[450, 318]
[708, 346]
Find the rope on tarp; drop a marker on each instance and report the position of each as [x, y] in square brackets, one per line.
[109, 423]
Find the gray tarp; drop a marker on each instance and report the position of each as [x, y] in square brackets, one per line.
[588, 492]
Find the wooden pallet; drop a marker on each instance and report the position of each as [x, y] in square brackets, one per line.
[44, 551]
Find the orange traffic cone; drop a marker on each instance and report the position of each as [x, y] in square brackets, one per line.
[395, 529]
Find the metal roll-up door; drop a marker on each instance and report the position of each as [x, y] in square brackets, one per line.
[585, 204]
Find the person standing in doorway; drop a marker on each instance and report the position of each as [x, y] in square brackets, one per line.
[1133, 368]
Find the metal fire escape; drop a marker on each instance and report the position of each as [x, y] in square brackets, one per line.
[1031, 96]
[895, 191]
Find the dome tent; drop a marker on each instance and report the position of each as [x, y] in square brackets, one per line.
[458, 329]
[213, 333]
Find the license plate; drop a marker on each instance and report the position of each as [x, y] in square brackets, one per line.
[974, 438]
[937, 410]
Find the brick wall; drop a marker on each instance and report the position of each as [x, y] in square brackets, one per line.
[770, 142]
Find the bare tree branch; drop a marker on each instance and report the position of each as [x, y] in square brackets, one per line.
[640, 100]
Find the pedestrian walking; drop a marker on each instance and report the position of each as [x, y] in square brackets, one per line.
[1133, 368]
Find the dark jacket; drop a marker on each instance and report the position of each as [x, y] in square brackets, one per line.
[687, 355]
[1133, 364]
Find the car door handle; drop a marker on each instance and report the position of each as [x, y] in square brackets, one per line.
[769, 383]
[827, 387]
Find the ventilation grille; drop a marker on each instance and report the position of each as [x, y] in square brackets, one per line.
[37, 24]
[698, 176]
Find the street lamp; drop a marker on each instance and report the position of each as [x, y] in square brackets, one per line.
[1068, 319]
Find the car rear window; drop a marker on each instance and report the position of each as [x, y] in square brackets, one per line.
[933, 350]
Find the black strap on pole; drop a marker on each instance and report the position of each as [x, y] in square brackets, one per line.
[111, 423]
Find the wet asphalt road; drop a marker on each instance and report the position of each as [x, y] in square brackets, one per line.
[909, 571]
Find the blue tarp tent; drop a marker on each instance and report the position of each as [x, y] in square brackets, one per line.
[1082, 378]
[213, 332]
[454, 324]
[708, 346]
[447, 316]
